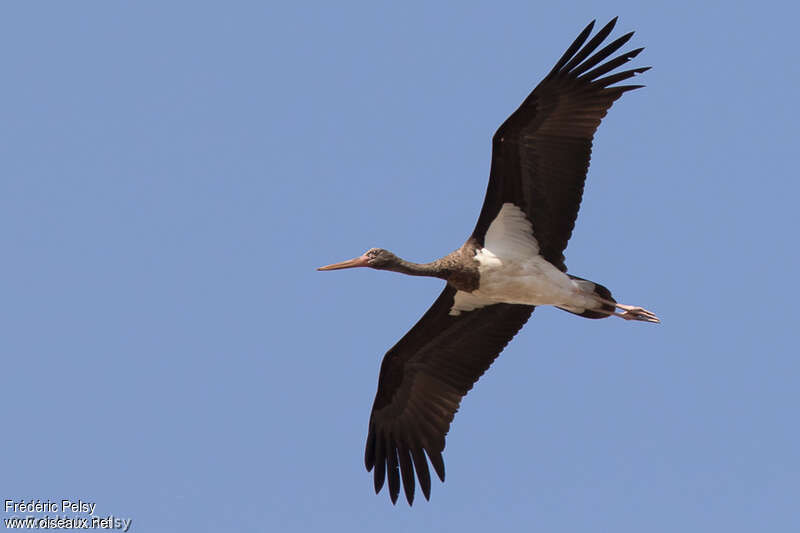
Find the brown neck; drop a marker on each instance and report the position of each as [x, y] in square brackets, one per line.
[433, 270]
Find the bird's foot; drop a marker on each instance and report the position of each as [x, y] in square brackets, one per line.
[632, 312]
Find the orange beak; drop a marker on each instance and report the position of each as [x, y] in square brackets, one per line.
[360, 261]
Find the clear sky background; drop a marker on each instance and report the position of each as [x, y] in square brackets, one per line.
[172, 173]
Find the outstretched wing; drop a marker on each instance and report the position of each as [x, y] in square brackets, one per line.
[540, 154]
[540, 157]
[422, 380]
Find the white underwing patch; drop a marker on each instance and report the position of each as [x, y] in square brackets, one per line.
[467, 301]
[510, 235]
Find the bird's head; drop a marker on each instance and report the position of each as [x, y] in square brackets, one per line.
[377, 258]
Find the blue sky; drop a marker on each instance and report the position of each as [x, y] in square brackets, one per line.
[174, 172]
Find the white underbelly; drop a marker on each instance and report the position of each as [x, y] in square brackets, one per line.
[512, 271]
[534, 282]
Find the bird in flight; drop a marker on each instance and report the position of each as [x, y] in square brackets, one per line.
[512, 262]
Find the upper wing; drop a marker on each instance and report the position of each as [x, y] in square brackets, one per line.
[540, 154]
[422, 380]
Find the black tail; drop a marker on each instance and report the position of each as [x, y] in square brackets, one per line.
[603, 310]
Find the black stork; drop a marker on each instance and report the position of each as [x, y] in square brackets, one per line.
[512, 262]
